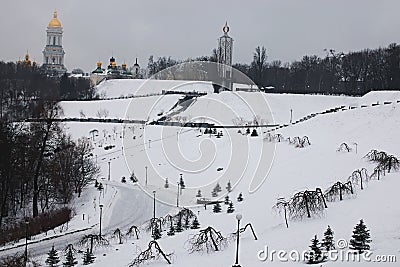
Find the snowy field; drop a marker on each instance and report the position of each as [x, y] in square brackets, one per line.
[261, 170]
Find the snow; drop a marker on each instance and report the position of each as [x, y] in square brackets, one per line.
[261, 170]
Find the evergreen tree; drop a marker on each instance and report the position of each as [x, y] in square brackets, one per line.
[230, 208]
[214, 131]
[100, 187]
[226, 202]
[96, 184]
[214, 193]
[182, 183]
[179, 227]
[254, 133]
[206, 131]
[199, 193]
[70, 260]
[240, 197]
[217, 208]
[360, 238]
[123, 179]
[315, 253]
[171, 230]
[229, 187]
[52, 258]
[248, 131]
[327, 241]
[195, 224]
[166, 185]
[217, 188]
[88, 257]
[156, 232]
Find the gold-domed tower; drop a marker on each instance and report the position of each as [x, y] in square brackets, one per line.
[53, 53]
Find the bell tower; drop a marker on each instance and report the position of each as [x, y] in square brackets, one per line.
[225, 46]
[53, 53]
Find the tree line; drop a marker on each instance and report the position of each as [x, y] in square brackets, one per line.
[352, 73]
[41, 167]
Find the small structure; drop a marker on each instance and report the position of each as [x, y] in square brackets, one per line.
[225, 47]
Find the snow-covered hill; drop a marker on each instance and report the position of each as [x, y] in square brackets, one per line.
[261, 170]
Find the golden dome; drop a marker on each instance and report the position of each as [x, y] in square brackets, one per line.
[99, 64]
[54, 23]
[123, 66]
[113, 64]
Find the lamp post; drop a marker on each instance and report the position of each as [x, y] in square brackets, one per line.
[101, 212]
[154, 204]
[109, 170]
[149, 142]
[177, 196]
[238, 218]
[146, 175]
[356, 146]
[291, 115]
[26, 239]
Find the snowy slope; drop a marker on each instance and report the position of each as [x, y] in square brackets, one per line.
[169, 151]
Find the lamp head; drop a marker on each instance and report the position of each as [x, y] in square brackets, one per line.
[238, 216]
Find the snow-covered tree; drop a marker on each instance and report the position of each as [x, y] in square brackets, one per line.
[229, 187]
[226, 202]
[195, 224]
[171, 230]
[315, 253]
[339, 190]
[254, 132]
[198, 193]
[328, 242]
[70, 260]
[230, 208]
[52, 258]
[217, 208]
[282, 206]
[207, 240]
[361, 238]
[88, 257]
[240, 197]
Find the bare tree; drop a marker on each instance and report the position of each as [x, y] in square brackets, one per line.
[359, 177]
[133, 231]
[152, 252]
[118, 235]
[339, 189]
[207, 240]
[306, 203]
[344, 148]
[282, 205]
[92, 241]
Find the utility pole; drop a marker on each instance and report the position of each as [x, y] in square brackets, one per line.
[146, 175]
[177, 197]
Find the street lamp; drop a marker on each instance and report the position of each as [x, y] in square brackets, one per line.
[177, 196]
[26, 239]
[154, 204]
[356, 146]
[101, 212]
[109, 170]
[291, 115]
[146, 174]
[238, 218]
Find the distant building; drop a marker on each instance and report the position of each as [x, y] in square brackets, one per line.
[27, 62]
[114, 71]
[53, 53]
[224, 58]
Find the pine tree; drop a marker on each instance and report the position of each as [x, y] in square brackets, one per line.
[214, 193]
[100, 187]
[195, 224]
[230, 208]
[206, 131]
[96, 184]
[229, 187]
[88, 257]
[217, 188]
[315, 253]
[179, 227]
[240, 197]
[52, 258]
[199, 193]
[327, 241]
[182, 183]
[166, 185]
[226, 202]
[123, 179]
[156, 232]
[214, 131]
[171, 230]
[360, 238]
[254, 133]
[70, 260]
[248, 131]
[217, 208]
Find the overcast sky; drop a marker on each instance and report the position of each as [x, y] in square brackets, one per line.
[96, 29]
